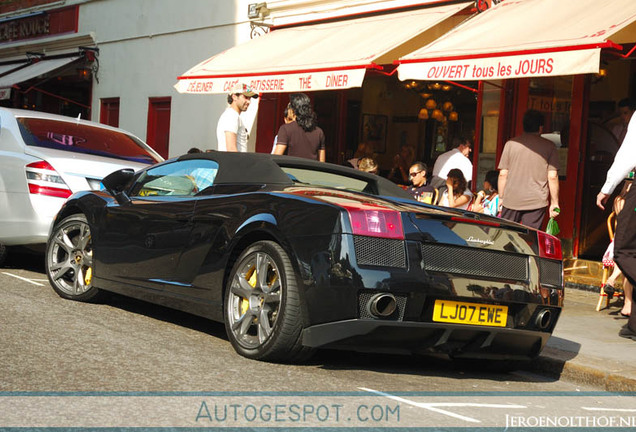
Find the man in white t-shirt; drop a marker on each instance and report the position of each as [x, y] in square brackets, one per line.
[455, 158]
[231, 133]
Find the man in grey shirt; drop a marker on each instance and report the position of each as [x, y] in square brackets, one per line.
[528, 175]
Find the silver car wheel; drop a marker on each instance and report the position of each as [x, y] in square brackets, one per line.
[254, 300]
[70, 257]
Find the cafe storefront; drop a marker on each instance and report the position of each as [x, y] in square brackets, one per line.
[424, 73]
[571, 60]
[344, 58]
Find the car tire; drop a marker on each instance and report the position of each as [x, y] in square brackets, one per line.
[263, 312]
[69, 259]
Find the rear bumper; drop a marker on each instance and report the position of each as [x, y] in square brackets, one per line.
[28, 219]
[410, 337]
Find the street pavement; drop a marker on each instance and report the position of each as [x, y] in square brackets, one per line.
[585, 346]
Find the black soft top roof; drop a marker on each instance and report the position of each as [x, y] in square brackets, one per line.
[265, 168]
[241, 168]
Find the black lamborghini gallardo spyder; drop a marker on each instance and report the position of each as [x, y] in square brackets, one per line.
[294, 255]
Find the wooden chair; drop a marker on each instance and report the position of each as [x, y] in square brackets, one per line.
[607, 269]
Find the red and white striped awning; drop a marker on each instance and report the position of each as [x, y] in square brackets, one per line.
[525, 38]
[329, 56]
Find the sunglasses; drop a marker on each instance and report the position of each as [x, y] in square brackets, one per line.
[413, 174]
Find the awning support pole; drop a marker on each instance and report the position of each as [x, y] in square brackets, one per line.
[629, 52]
[381, 70]
[477, 140]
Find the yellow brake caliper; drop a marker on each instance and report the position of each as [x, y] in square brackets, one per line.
[251, 279]
[88, 275]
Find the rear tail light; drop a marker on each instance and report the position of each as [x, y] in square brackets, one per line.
[44, 180]
[375, 222]
[549, 246]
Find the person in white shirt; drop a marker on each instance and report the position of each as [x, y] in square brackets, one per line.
[458, 158]
[625, 235]
[457, 194]
[624, 162]
[231, 133]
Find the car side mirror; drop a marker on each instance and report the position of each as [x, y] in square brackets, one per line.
[117, 182]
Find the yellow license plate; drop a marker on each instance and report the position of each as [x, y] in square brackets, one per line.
[470, 313]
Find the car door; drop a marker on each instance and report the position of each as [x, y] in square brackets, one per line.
[142, 241]
[202, 255]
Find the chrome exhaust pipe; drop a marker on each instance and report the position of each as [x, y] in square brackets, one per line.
[544, 319]
[382, 305]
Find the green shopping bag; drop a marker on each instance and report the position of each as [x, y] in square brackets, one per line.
[553, 227]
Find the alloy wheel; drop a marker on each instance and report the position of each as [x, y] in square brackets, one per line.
[70, 258]
[254, 300]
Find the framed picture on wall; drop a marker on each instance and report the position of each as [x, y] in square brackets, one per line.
[374, 131]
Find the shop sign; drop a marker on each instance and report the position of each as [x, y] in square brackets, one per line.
[280, 83]
[502, 67]
[39, 24]
[24, 28]
[549, 104]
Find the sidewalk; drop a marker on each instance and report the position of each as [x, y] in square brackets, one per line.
[585, 346]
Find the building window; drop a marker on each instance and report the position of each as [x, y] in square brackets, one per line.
[109, 112]
[159, 124]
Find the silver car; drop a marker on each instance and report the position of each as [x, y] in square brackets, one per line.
[44, 158]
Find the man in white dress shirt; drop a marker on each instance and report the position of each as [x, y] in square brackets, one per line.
[458, 158]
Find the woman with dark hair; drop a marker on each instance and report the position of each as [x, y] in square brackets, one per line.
[487, 200]
[457, 193]
[301, 137]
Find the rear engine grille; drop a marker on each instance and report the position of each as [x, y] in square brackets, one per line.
[474, 262]
[380, 252]
[550, 272]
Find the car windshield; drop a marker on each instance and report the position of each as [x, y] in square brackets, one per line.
[182, 178]
[82, 138]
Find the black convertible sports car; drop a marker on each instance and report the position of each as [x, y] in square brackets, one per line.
[293, 255]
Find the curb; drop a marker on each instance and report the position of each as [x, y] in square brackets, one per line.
[610, 376]
[582, 287]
